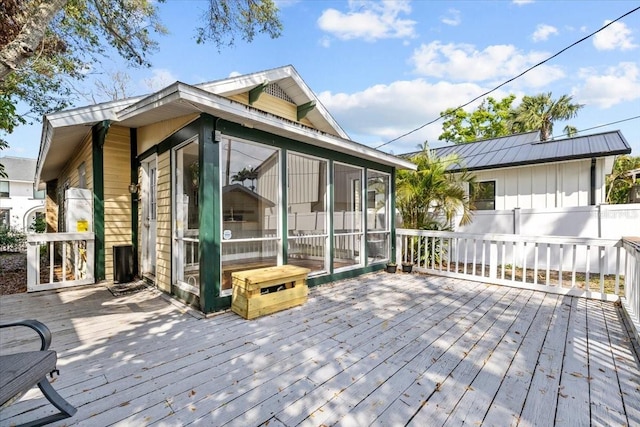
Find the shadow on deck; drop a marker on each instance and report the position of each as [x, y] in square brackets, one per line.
[381, 349]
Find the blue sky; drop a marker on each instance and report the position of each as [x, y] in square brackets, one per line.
[385, 68]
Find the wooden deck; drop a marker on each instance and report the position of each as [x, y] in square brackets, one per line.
[378, 350]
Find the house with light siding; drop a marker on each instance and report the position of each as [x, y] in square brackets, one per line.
[520, 171]
[168, 175]
[19, 201]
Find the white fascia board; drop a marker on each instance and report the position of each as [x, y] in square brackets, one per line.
[239, 84]
[243, 113]
[235, 111]
[45, 143]
[246, 82]
[90, 114]
[164, 96]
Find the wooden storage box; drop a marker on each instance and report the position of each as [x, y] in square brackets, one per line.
[250, 298]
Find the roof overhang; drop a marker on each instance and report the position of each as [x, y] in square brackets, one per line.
[63, 132]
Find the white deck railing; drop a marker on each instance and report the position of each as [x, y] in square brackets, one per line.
[631, 300]
[59, 260]
[588, 267]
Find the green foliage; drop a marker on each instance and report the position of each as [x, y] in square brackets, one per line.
[40, 224]
[226, 18]
[620, 182]
[539, 112]
[84, 32]
[430, 197]
[12, 240]
[493, 119]
[489, 120]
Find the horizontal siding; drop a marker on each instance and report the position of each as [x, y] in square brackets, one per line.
[149, 136]
[163, 238]
[273, 105]
[117, 200]
[70, 174]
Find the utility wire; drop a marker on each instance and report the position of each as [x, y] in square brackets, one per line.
[511, 79]
[496, 150]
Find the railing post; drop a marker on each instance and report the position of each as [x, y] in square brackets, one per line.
[493, 259]
[33, 264]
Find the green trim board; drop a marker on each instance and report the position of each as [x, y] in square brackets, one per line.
[98, 136]
[331, 212]
[255, 93]
[256, 135]
[207, 128]
[304, 109]
[348, 274]
[209, 215]
[284, 203]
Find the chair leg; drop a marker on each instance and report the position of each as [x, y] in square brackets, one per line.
[66, 410]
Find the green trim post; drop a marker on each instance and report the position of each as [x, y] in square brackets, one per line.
[331, 216]
[98, 136]
[133, 142]
[392, 215]
[209, 215]
[284, 203]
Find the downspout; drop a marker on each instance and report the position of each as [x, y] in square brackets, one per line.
[592, 189]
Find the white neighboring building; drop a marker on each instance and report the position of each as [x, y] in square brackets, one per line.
[19, 202]
[520, 171]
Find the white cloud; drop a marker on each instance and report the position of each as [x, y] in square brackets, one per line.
[522, 2]
[453, 18]
[615, 36]
[543, 31]
[383, 112]
[161, 77]
[463, 62]
[369, 20]
[617, 84]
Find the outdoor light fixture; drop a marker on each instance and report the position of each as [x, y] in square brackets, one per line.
[133, 188]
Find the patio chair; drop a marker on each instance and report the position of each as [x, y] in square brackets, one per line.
[19, 372]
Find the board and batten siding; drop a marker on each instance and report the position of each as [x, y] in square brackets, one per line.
[163, 237]
[553, 185]
[117, 199]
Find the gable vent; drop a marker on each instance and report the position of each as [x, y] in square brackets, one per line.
[274, 90]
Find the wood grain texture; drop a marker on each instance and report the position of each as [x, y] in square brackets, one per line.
[382, 349]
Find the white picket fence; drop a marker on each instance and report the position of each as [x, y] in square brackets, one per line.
[59, 260]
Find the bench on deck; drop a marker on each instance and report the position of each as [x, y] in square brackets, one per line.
[19, 372]
[266, 290]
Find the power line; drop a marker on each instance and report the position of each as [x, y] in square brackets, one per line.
[511, 79]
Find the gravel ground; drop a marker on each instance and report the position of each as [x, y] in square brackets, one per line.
[13, 273]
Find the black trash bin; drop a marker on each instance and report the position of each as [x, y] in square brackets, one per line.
[122, 264]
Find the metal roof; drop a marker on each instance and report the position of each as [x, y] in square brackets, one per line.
[527, 149]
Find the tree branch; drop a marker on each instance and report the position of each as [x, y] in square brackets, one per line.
[23, 46]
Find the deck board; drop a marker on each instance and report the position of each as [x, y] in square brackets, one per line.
[377, 350]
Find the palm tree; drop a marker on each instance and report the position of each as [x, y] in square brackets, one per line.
[570, 131]
[241, 176]
[432, 195]
[539, 112]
